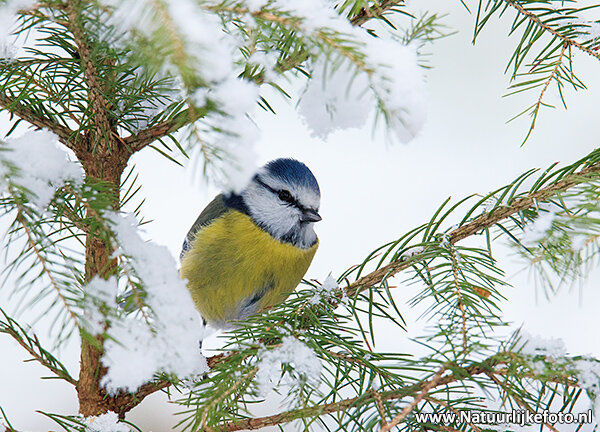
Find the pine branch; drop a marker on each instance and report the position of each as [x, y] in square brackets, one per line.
[247, 377]
[407, 409]
[424, 386]
[497, 364]
[554, 75]
[536, 20]
[516, 398]
[33, 244]
[104, 133]
[475, 226]
[17, 68]
[479, 224]
[67, 136]
[155, 132]
[32, 345]
[377, 10]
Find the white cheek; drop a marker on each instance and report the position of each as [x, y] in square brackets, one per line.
[271, 212]
[278, 218]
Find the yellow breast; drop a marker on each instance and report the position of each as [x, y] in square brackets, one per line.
[232, 259]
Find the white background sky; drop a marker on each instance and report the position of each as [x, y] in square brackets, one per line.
[373, 192]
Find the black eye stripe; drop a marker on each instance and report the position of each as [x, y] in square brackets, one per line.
[291, 199]
[266, 186]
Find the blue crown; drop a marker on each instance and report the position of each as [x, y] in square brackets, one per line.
[293, 172]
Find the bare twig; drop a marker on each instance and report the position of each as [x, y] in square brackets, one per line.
[160, 130]
[380, 408]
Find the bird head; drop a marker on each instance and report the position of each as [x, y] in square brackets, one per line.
[283, 198]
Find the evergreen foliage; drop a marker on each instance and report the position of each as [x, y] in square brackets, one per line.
[108, 88]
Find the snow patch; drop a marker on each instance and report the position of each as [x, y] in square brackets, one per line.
[343, 98]
[293, 353]
[399, 83]
[8, 21]
[334, 100]
[537, 230]
[588, 376]
[42, 165]
[169, 342]
[236, 98]
[324, 291]
[100, 298]
[229, 136]
[537, 345]
[108, 422]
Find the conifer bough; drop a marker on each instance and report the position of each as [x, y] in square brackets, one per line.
[107, 86]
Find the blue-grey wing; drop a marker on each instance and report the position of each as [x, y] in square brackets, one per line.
[216, 208]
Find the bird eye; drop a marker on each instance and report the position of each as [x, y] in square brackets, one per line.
[285, 195]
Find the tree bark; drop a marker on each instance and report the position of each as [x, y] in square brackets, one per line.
[107, 168]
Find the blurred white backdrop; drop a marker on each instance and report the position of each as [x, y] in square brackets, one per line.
[373, 192]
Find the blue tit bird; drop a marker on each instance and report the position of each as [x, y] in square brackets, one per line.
[248, 251]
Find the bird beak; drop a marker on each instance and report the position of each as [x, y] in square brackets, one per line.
[311, 216]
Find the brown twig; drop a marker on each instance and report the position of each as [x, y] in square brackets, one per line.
[160, 130]
[461, 303]
[380, 408]
[407, 409]
[535, 19]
